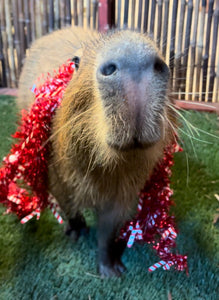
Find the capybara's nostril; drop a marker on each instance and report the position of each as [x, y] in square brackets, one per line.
[160, 66]
[108, 69]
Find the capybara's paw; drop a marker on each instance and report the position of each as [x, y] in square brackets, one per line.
[111, 270]
[120, 266]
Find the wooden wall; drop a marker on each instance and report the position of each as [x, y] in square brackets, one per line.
[185, 31]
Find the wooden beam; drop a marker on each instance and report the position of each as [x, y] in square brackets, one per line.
[198, 106]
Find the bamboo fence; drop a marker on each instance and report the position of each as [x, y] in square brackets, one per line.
[186, 32]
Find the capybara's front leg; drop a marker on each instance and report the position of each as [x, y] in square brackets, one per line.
[110, 251]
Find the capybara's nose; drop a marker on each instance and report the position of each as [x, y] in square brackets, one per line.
[136, 67]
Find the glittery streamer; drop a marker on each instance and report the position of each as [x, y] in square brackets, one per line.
[169, 232]
[168, 265]
[140, 204]
[26, 165]
[158, 227]
[33, 88]
[30, 216]
[53, 207]
[27, 218]
[135, 233]
[156, 266]
[14, 198]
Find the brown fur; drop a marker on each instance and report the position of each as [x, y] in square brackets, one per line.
[85, 171]
[46, 55]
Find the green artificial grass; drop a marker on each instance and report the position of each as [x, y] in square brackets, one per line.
[38, 262]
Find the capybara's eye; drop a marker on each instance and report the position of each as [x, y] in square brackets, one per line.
[108, 69]
[76, 60]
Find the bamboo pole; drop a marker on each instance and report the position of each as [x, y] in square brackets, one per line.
[206, 55]
[173, 37]
[179, 47]
[81, 13]
[159, 22]
[165, 27]
[16, 36]
[139, 14]
[213, 53]
[126, 14]
[217, 80]
[54, 15]
[146, 10]
[186, 48]
[10, 43]
[193, 46]
[27, 22]
[24, 12]
[88, 12]
[21, 29]
[95, 9]
[68, 12]
[153, 9]
[133, 14]
[75, 5]
[2, 57]
[119, 5]
[200, 46]
[3, 82]
[32, 19]
[5, 42]
[62, 13]
[38, 19]
[45, 16]
[111, 14]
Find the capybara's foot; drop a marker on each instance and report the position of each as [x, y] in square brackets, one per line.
[111, 270]
[76, 227]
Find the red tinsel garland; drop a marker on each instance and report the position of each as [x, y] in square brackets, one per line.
[24, 177]
[152, 224]
[28, 160]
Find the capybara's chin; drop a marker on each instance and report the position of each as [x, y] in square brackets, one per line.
[136, 141]
[110, 130]
[135, 145]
